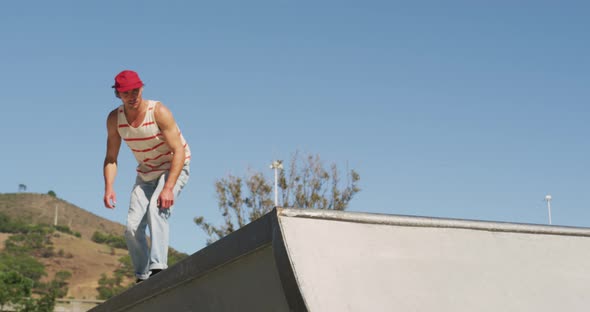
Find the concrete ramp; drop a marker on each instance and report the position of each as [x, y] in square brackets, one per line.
[318, 260]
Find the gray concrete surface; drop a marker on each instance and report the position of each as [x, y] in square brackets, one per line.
[350, 266]
[313, 260]
[250, 283]
[247, 270]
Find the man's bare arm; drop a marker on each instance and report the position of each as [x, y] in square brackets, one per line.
[110, 160]
[169, 129]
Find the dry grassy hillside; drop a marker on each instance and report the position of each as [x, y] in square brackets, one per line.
[40, 208]
[85, 259]
[3, 237]
[89, 260]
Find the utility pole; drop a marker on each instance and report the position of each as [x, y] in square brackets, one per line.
[55, 219]
[276, 165]
[548, 200]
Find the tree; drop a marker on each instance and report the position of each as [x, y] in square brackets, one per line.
[307, 184]
[110, 286]
[52, 194]
[60, 284]
[14, 288]
[24, 264]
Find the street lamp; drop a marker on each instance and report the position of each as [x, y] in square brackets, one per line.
[276, 165]
[548, 200]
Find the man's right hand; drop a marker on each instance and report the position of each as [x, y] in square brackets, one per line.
[110, 199]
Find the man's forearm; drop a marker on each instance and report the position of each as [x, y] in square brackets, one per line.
[175, 169]
[109, 171]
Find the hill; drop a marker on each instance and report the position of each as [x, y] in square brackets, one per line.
[88, 261]
[40, 209]
[85, 259]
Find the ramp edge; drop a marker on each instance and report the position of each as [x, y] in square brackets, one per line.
[418, 221]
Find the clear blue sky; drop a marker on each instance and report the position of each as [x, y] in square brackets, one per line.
[460, 109]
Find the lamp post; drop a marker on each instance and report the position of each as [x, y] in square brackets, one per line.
[276, 165]
[55, 217]
[548, 200]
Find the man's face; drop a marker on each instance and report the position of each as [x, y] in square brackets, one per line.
[132, 98]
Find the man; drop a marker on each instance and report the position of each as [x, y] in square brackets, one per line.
[163, 158]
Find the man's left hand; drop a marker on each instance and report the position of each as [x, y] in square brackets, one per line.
[166, 199]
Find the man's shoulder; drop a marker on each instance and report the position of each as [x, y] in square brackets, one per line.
[114, 113]
[160, 108]
[113, 116]
[163, 116]
[155, 103]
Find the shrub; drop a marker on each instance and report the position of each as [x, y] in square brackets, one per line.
[109, 287]
[115, 241]
[64, 229]
[12, 226]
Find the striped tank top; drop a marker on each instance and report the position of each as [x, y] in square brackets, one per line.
[148, 145]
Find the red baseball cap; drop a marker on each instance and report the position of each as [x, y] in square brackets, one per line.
[127, 80]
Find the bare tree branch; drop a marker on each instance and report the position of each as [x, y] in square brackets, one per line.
[307, 184]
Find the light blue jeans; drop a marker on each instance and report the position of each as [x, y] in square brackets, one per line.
[144, 212]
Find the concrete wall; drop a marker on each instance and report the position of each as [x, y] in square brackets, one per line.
[247, 270]
[351, 266]
[250, 283]
[313, 260]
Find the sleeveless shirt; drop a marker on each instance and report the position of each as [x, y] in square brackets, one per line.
[153, 155]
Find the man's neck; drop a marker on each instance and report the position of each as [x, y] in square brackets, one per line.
[134, 114]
